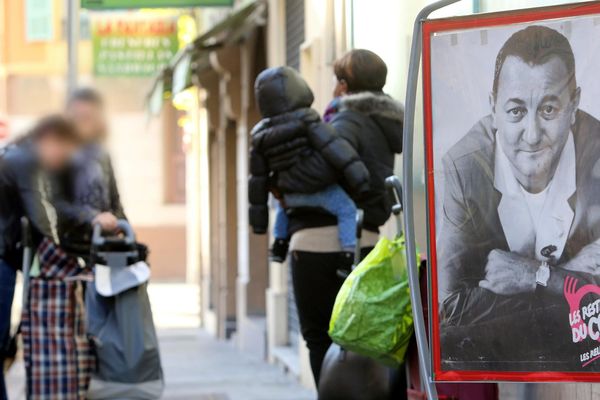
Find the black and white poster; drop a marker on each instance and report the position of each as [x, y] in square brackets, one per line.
[512, 108]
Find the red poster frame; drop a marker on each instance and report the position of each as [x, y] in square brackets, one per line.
[458, 23]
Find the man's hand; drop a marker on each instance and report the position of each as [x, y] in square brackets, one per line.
[507, 273]
[107, 221]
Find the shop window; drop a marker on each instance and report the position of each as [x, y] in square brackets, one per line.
[85, 26]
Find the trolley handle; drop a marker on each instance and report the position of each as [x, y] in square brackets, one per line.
[98, 239]
[27, 248]
[360, 219]
[395, 191]
[26, 239]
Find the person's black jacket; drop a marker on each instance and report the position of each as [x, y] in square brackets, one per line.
[372, 123]
[293, 151]
[24, 191]
[85, 190]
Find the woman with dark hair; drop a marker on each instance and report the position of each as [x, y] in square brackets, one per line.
[371, 122]
[27, 167]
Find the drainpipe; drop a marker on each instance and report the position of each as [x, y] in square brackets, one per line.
[222, 256]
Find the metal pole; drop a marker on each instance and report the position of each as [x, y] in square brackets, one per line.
[27, 245]
[72, 44]
[409, 217]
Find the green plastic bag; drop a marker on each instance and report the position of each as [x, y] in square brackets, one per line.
[372, 314]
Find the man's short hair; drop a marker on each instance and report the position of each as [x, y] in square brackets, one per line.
[362, 70]
[536, 45]
[56, 126]
[86, 95]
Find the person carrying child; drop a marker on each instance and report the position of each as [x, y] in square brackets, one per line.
[301, 161]
[370, 121]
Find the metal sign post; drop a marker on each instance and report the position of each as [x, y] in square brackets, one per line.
[72, 45]
[409, 217]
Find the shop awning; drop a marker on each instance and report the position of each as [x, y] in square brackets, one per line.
[160, 89]
[193, 59]
[235, 27]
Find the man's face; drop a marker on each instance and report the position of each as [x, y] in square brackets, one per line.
[54, 152]
[89, 120]
[533, 112]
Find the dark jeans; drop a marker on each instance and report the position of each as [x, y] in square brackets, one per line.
[7, 290]
[316, 285]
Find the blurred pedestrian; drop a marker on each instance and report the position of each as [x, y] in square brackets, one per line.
[26, 167]
[371, 122]
[89, 192]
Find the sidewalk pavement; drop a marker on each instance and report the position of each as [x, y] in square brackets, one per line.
[197, 366]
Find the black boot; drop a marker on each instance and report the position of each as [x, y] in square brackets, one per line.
[345, 263]
[278, 251]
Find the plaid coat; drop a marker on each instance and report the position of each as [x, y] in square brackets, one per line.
[58, 354]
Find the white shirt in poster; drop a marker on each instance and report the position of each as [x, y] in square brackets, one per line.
[533, 221]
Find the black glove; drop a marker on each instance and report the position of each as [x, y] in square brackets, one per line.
[345, 264]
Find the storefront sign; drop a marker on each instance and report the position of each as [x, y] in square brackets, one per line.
[133, 46]
[513, 159]
[116, 4]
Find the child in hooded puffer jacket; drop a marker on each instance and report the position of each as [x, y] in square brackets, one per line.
[301, 160]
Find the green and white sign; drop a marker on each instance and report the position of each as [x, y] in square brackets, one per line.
[120, 4]
[128, 46]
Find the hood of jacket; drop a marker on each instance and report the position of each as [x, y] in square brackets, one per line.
[280, 90]
[386, 112]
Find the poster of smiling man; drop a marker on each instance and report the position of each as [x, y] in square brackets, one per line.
[512, 117]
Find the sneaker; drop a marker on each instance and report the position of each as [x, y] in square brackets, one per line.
[278, 251]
